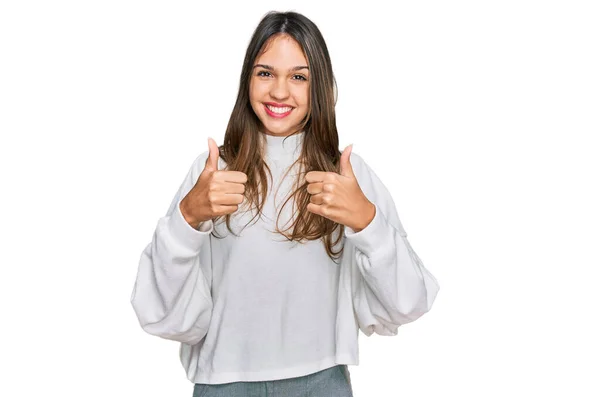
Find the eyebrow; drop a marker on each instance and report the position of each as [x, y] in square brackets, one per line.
[269, 67]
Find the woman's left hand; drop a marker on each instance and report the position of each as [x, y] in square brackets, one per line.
[339, 197]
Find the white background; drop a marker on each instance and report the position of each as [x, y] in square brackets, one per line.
[480, 118]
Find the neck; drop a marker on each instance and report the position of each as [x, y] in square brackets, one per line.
[283, 147]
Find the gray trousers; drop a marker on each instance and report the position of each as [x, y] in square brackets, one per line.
[330, 382]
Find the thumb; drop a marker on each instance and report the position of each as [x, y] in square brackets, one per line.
[212, 161]
[345, 166]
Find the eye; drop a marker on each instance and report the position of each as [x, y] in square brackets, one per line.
[298, 77]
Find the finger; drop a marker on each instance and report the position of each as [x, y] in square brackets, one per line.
[315, 188]
[226, 209]
[231, 176]
[315, 208]
[229, 199]
[317, 199]
[319, 176]
[233, 188]
[345, 165]
[212, 161]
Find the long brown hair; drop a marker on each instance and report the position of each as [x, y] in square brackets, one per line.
[242, 149]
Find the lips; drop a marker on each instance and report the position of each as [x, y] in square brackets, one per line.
[278, 105]
[277, 115]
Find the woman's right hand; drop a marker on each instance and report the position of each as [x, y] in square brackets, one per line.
[216, 192]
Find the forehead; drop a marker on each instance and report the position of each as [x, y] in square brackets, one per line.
[282, 51]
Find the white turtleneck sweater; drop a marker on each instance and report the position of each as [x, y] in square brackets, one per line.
[256, 307]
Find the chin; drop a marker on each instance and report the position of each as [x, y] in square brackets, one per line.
[281, 131]
[277, 129]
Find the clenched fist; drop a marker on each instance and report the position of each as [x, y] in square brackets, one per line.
[216, 192]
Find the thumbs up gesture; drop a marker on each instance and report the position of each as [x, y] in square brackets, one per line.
[216, 192]
[339, 197]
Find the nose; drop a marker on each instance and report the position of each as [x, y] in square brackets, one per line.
[280, 89]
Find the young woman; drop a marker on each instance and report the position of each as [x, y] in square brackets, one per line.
[277, 248]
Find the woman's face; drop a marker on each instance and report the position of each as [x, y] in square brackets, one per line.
[279, 87]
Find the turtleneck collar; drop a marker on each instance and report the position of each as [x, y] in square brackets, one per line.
[283, 147]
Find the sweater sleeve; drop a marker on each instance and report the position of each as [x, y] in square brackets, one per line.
[390, 285]
[171, 295]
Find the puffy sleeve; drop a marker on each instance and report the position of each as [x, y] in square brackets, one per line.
[171, 295]
[390, 286]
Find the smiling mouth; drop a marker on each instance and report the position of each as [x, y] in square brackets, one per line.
[278, 112]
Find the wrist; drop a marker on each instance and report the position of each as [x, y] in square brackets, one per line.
[189, 219]
[369, 213]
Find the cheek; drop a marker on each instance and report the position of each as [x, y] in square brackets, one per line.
[256, 91]
[301, 96]
[255, 108]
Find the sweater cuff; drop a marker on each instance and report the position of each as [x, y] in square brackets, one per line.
[185, 233]
[374, 237]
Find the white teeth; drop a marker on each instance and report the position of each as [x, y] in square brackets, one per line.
[279, 110]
